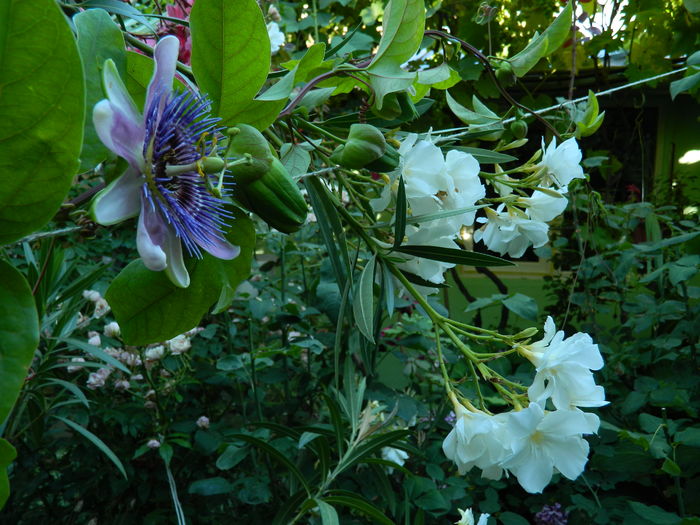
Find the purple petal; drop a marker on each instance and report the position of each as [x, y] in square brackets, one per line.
[176, 271]
[165, 53]
[219, 248]
[118, 201]
[150, 236]
[119, 132]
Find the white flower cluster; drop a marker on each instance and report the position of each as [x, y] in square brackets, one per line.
[467, 518]
[101, 306]
[534, 442]
[512, 229]
[435, 183]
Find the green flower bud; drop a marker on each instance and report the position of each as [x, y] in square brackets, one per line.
[275, 198]
[387, 162]
[505, 74]
[519, 129]
[246, 139]
[365, 144]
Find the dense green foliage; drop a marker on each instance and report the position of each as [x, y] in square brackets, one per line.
[305, 380]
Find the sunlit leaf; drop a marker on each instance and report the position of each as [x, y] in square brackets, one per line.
[42, 107]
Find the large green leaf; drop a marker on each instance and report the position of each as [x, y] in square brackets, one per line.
[42, 107]
[98, 39]
[19, 335]
[7, 455]
[404, 23]
[149, 308]
[230, 54]
[543, 45]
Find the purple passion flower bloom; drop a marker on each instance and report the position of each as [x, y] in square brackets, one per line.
[164, 184]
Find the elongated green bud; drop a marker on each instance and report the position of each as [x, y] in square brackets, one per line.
[365, 144]
[275, 198]
[387, 162]
[246, 139]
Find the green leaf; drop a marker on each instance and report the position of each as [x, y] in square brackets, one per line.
[72, 388]
[511, 518]
[98, 39]
[453, 255]
[693, 6]
[149, 308]
[654, 514]
[210, 487]
[689, 437]
[231, 457]
[42, 109]
[543, 45]
[403, 26]
[7, 456]
[139, 70]
[329, 516]
[230, 58]
[97, 352]
[361, 506]
[684, 84]
[363, 302]
[311, 60]
[522, 305]
[279, 456]
[19, 335]
[486, 156]
[95, 441]
[295, 158]
[119, 8]
[671, 467]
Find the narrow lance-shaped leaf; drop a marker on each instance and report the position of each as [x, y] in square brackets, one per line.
[400, 226]
[453, 255]
[42, 107]
[363, 302]
[101, 445]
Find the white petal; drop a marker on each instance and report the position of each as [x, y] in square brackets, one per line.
[119, 201]
[569, 456]
[175, 269]
[150, 236]
[165, 54]
[119, 132]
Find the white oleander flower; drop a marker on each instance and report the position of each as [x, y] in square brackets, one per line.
[545, 441]
[543, 207]
[463, 170]
[94, 339]
[101, 308]
[478, 440]
[203, 422]
[508, 232]
[97, 379]
[122, 385]
[112, 329]
[561, 163]
[92, 295]
[277, 37]
[179, 345]
[467, 518]
[155, 353]
[74, 368]
[427, 269]
[395, 455]
[564, 369]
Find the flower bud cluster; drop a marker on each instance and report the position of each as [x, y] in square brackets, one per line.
[533, 443]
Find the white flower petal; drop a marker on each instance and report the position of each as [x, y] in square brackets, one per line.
[119, 201]
[119, 132]
[165, 53]
[150, 236]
